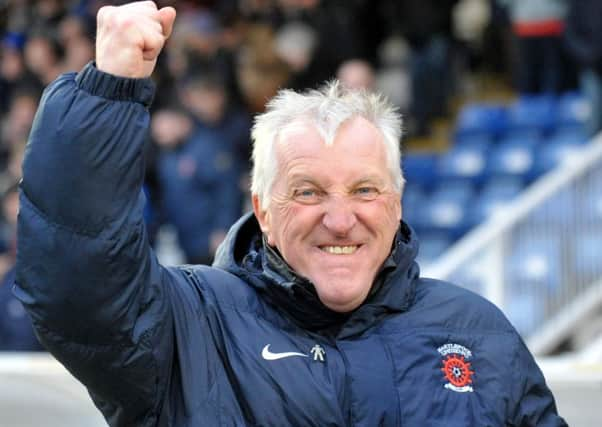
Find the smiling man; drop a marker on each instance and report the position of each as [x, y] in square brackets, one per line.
[333, 209]
[314, 312]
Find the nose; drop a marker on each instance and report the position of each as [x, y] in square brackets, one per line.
[339, 216]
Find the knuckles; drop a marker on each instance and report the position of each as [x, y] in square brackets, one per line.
[126, 17]
[129, 38]
[102, 15]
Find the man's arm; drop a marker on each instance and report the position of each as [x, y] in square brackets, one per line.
[535, 406]
[85, 270]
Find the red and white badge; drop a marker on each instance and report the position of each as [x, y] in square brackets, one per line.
[456, 367]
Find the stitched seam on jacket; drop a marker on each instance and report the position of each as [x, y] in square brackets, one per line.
[56, 224]
[395, 369]
[458, 330]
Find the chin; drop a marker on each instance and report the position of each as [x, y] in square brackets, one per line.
[342, 296]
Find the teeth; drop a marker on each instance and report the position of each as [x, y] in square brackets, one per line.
[339, 250]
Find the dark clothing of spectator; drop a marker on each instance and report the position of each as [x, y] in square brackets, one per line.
[427, 26]
[418, 21]
[16, 332]
[541, 64]
[199, 181]
[584, 32]
[538, 26]
[338, 34]
[583, 39]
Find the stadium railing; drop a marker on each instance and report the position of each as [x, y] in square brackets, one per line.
[539, 258]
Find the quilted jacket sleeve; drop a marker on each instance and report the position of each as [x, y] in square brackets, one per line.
[534, 403]
[85, 270]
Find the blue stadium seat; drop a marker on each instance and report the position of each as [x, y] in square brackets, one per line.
[413, 201]
[535, 263]
[482, 119]
[419, 168]
[572, 110]
[463, 162]
[557, 149]
[432, 246]
[578, 134]
[511, 158]
[532, 112]
[530, 136]
[475, 141]
[446, 210]
[495, 194]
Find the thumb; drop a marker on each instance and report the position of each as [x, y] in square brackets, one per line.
[167, 16]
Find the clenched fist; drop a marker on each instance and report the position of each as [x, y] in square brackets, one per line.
[130, 37]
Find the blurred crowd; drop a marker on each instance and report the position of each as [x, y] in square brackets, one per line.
[227, 57]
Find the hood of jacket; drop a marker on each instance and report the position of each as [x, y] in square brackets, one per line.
[245, 254]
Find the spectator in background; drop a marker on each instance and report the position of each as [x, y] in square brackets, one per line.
[260, 71]
[427, 27]
[339, 34]
[47, 15]
[20, 115]
[217, 118]
[203, 44]
[393, 77]
[13, 71]
[14, 129]
[78, 52]
[74, 36]
[198, 177]
[16, 332]
[43, 56]
[295, 44]
[538, 26]
[584, 43]
[356, 74]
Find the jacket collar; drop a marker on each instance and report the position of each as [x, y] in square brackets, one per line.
[245, 254]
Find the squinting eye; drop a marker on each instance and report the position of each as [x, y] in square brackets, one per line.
[307, 195]
[367, 192]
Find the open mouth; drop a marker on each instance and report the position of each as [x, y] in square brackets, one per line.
[340, 250]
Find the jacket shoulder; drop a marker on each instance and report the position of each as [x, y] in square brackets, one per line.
[223, 287]
[458, 308]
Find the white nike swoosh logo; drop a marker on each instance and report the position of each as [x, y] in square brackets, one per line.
[268, 355]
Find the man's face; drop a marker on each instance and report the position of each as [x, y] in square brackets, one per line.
[334, 211]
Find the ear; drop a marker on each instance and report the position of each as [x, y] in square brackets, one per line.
[263, 217]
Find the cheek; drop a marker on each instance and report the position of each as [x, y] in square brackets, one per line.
[393, 208]
[282, 222]
[384, 213]
[295, 221]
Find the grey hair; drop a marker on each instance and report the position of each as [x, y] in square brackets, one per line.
[326, 108]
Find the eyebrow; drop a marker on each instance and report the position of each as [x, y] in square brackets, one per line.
[298, 179]
[370, 179]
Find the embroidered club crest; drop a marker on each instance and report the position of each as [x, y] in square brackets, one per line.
[456, 367]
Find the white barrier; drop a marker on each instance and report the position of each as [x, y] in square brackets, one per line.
[37, 391]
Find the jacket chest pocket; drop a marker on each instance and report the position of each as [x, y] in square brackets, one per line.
[448, 382]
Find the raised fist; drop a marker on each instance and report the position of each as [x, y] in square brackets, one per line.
[129, 38]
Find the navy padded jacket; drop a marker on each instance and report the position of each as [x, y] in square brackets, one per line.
[245, 342]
